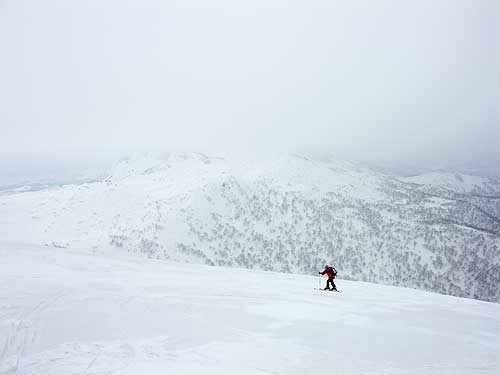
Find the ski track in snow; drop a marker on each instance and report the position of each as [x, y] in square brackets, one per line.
[67, 312]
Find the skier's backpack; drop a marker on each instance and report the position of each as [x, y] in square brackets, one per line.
[334, 271]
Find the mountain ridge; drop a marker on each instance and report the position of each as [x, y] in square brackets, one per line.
[287, 214]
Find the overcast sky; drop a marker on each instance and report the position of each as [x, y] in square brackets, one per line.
[413, 81]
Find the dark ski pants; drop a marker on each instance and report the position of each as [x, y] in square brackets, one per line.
[328, 284]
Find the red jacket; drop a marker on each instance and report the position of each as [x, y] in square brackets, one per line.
[329, 272]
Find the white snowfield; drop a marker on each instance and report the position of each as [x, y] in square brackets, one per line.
[66, 312]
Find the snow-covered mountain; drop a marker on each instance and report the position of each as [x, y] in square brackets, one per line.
[437, 232]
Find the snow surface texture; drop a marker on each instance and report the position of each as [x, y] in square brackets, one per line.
[66, 312]
[437, 232]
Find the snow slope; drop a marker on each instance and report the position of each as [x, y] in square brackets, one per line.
[78, 312]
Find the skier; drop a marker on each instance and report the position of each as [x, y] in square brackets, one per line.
[331, 273]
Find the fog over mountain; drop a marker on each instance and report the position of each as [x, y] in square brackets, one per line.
[392, 89]
[379, 82]
[174, 174]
